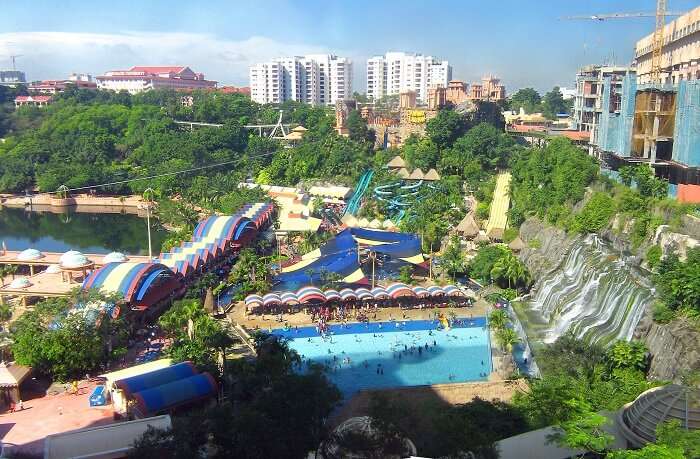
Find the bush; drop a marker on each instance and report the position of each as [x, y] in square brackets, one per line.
[662, 313]
[510, 234]
[482, 211]
[653, 256]
[595, 215]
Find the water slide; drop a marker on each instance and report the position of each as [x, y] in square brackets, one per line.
[444, 322]
[398, 202]
[362, 185]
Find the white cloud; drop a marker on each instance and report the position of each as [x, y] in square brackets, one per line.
[57, 54]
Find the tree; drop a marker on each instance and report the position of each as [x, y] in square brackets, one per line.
[481, 266]
[453, 258]
[628, 354]
[528, 99]
[510, 270]
[445, 128]
[421, 152]
[678, 283]
[498, 319]
[196, 336]
[507, 338]
[584, 430]
[270, 411]
[553, 103]
[65, 345]
[357, 128]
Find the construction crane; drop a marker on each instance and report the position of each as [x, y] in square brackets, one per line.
[13, 57]
[605, 17]
[658, 37]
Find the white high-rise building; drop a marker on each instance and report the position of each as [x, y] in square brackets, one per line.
[318, 79]
[394, 73]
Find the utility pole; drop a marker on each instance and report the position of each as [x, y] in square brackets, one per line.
[148, 197]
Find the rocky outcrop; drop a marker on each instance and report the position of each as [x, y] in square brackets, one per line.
[674, 347]
[671, 242]
[546, 246]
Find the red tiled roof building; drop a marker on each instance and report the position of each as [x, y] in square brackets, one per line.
[142, 78]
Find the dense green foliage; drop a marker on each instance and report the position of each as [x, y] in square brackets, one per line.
[530, 101]
[439, 430]
[270, 411]
[595, 215]
[87, 138]
[496, 263]
[580, 377]
[195, 335]
[548, 180]
[67, 345]
[678, 282]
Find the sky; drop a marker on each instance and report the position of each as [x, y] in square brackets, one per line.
[525, 43]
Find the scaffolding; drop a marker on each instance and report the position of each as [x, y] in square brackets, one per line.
[654, 118]
[686, 149]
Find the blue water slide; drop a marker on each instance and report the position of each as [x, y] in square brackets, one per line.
[362, 185]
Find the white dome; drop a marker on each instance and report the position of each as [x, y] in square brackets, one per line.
[68, 254]
[73, 260]
[29, 254]
[53, 269]
[20, 282]
[114, 257]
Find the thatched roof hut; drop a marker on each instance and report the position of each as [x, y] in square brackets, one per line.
[517, 244]
[403, 173]
[468, 226]
[396, 162]
[495, 234]
[431, 175]
[417, 174]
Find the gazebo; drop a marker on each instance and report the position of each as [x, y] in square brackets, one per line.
[468, 227]
[417, 174]
[431, 175]
[403, 173]
[11, 377]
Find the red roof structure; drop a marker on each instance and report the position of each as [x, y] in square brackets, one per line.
[157, 69]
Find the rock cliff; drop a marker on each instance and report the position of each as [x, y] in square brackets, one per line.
[675, 347]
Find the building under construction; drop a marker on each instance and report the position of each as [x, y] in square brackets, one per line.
[657, 120]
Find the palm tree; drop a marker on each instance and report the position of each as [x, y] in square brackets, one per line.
[510, 269]
[498, 319]
[507, 338]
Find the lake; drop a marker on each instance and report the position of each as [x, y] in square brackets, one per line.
[88, 233]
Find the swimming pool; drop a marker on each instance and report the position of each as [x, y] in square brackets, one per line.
[394, 354]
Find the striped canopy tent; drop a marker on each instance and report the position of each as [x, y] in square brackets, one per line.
[379, 293]
[254, 301]
[271, 299]
[348, 294]
[363, 294]
[451, 290]
[398, 290]
[132, 280]
[289, 298]
[420, 292]
[434, 290]
[182, 267]
[332, 295]
[310, 295]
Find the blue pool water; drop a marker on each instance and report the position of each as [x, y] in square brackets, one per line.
[462, 353]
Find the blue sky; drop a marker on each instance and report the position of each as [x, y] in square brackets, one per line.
[523, 42]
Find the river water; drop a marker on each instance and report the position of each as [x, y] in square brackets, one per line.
[595, 292]
[88, 233]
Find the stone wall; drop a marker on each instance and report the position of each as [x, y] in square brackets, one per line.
[674, 347]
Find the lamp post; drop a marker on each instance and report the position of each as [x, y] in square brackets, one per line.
[148, 197]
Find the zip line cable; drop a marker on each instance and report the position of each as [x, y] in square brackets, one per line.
[166, 174]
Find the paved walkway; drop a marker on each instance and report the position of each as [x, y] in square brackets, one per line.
[498, 217]
[25, 430]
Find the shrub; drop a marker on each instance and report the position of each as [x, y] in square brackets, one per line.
[653, 256]
[510, 234]
[595, 215]
[482, 210]
[662, 313]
